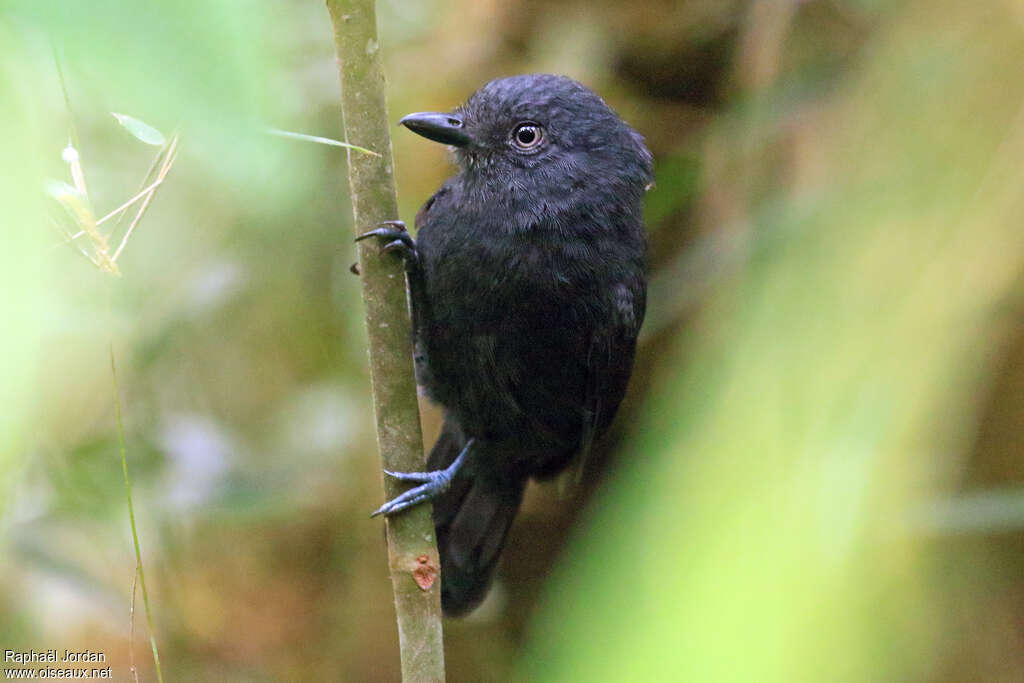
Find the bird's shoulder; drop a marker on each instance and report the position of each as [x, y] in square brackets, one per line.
[438, 203]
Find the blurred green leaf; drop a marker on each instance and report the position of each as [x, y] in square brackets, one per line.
[140, 129]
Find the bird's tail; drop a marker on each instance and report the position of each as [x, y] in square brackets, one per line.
[472, 520]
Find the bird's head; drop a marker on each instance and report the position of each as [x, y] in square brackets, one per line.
[538, 124]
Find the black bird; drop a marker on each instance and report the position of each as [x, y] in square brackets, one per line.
[528, 290]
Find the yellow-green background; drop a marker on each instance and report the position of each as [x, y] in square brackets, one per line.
[818, 474]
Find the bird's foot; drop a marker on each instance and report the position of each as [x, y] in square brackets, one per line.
[395, 239]
[432, 485]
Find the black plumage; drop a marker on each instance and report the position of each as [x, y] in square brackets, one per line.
[528, 289]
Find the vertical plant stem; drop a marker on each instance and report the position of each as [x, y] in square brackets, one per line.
[131, 518]
[412, 551]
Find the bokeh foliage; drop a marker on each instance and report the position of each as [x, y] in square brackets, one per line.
[817, 475]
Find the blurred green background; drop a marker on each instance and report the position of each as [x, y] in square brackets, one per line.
[818, 474]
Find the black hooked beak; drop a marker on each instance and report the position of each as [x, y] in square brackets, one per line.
[438, 126]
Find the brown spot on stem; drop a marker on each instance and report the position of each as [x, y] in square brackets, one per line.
[425, 572]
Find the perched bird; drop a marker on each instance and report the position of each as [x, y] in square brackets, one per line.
[528, 290]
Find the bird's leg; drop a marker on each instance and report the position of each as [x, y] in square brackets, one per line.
[432, 484]
[396, 239]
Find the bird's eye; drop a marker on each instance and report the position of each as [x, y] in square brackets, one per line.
[527, 136]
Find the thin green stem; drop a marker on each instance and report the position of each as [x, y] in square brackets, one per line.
[412, 552]
[131, 517]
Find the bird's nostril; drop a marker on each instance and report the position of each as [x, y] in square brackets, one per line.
[455, 123]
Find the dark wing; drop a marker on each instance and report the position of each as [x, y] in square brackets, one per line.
[609, 366]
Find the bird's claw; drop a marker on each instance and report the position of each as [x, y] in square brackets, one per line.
[392, 229]
[395, 239]
[433, 484]
[399, 247]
